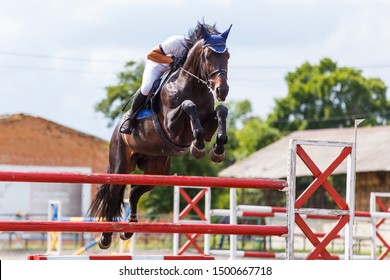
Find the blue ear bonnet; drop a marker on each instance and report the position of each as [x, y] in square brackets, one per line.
[217, 43]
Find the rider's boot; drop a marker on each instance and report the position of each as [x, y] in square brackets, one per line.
[138, 101]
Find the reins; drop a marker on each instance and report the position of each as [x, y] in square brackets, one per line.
[207, 84]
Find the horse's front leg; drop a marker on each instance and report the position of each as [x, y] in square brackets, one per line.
[198, 146]
[217, 153]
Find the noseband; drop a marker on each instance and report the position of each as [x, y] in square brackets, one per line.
[217, 72]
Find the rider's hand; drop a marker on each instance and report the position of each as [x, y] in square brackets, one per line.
[175, 61]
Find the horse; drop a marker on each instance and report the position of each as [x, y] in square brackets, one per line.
[184, 116]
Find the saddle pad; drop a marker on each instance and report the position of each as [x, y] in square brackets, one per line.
[144, 113]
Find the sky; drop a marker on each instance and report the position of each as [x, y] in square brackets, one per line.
[57, 56]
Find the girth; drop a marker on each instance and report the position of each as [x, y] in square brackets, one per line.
[170, 148]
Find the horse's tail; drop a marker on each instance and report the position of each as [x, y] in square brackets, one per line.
[106, 207]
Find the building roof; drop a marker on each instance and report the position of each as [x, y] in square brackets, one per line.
[25, 117]
[31, 140]
[372, 153]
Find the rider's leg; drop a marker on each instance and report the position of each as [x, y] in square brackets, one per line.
[138, 101]
[152, 72]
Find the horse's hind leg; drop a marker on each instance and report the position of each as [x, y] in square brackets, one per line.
[135, 194]
[120, 163]
[158, 165]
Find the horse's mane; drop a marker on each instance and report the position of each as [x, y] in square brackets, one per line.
[194, 35]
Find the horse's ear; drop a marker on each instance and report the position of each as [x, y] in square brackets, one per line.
[226, 33]
[203, 31]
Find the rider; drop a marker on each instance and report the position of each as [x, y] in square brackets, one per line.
[159, 60]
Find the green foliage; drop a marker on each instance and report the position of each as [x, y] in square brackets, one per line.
[247, 133]
[239, 112]
[188, 165]
[326, 96]
[254, 135]
[117, 95]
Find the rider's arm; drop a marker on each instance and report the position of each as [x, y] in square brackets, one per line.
[158, 56]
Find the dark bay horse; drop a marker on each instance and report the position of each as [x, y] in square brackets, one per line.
[184, 117]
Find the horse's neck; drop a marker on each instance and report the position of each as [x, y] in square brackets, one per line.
[193, 61]
[188, 83]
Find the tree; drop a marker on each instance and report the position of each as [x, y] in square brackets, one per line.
[254, 135]
[118, 95]
[327, 96]
[247, 134]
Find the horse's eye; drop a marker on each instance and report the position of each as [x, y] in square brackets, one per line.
[208, 53]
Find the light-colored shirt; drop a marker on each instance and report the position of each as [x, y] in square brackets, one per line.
[174, 46]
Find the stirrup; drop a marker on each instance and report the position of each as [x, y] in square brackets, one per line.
[127, 126]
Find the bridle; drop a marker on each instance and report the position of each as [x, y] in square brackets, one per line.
[206, 82]
[217, 72]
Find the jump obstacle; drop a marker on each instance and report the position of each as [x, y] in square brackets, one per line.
[54, 239]
[255, 211]
[379, 218]
[269, 212]
[56, 177]
[119, 257]
[294, 208]
[295, 211]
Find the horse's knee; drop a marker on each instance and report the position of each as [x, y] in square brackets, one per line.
[222, 111]
[199, 133]
[189, 108]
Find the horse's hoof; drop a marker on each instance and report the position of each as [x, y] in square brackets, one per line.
[104, 242]
[216, 157]
[125, 235]
[198, 153]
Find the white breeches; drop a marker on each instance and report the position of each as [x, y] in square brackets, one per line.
[152, 72]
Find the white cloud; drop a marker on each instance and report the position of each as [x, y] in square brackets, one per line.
[363, 39]
[265, 34]
[10, 31]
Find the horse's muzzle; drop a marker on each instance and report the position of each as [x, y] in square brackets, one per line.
[221, 92]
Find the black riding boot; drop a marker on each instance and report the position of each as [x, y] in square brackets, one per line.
[138, 101]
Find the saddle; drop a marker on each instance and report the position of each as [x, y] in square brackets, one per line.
[150, 107]
[151, 103]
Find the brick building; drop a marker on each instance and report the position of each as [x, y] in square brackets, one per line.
[34, 143]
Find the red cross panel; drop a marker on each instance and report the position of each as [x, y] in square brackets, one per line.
[381, 221]
[192, 205]
[321, 180]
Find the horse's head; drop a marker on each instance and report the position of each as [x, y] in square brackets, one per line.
[215, 56]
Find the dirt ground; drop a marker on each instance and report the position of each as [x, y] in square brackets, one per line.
[21, 254]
